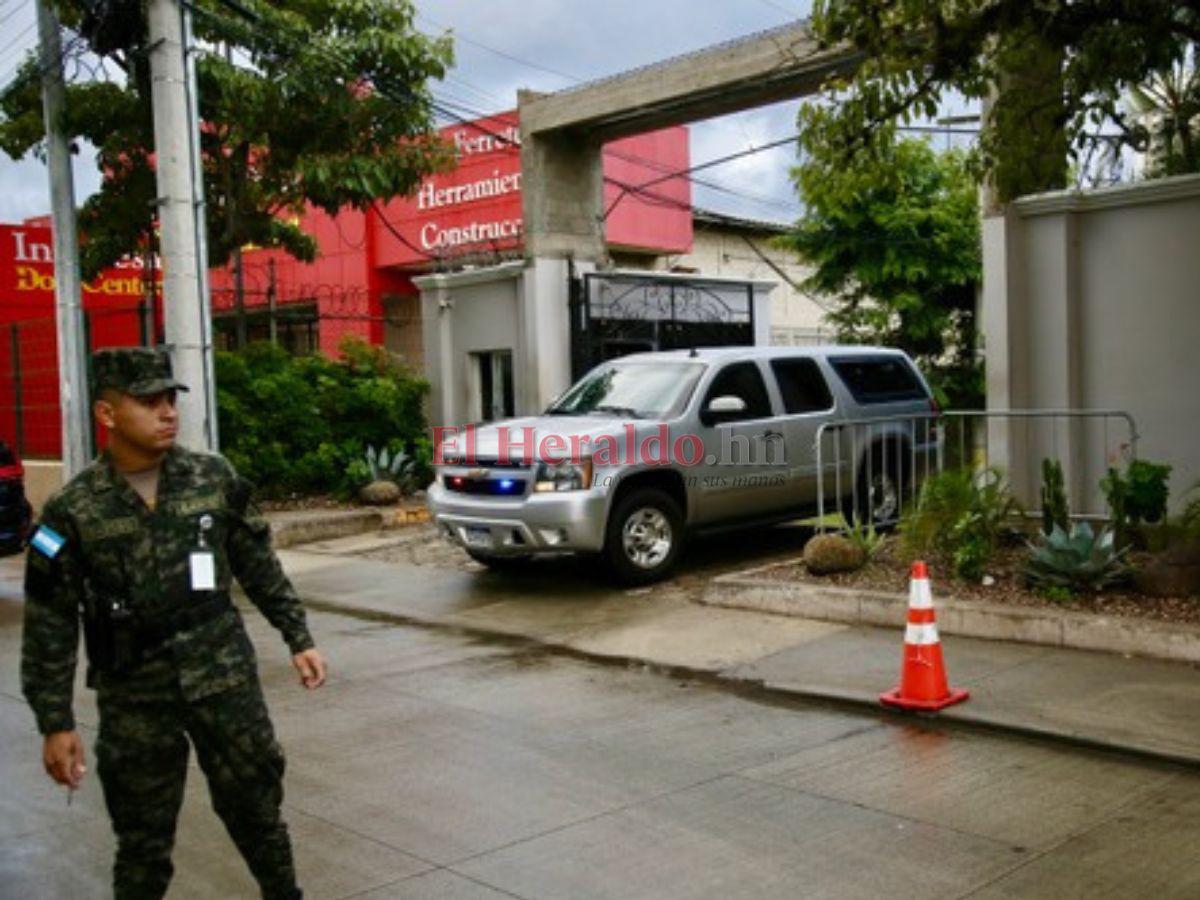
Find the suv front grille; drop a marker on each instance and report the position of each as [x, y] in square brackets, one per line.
[515, 462]
[492, 487]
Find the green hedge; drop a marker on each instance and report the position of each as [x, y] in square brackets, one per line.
[295, 424]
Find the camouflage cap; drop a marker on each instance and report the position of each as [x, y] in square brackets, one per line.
[134, 370]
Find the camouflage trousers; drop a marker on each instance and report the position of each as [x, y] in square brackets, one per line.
[142, 756]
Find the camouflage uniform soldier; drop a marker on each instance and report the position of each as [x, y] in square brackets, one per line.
[143, 546]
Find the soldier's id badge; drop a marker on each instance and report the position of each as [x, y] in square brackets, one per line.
[204, 572]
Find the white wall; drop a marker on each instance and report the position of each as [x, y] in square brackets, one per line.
[1093, 300]
[465, 313]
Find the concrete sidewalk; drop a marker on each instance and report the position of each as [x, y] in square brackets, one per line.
[1132, 705]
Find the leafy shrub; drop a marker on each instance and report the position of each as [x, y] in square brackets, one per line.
[1116, 493]
[1079, 562]
[1189, 519]
[971, 555]
[301, 424]
[1058, 594]
[1140, 495]
[1055, 511]
[864, 536]
[1148, 490]
[960, 517]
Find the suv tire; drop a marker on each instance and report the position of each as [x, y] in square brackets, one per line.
[877, 487]
[644, 536]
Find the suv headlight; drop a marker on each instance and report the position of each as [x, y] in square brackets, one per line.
[566, 476]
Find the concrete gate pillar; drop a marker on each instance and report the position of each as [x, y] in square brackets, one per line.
[562, 195]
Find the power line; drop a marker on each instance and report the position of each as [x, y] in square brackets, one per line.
[721, 160]
[575, 79]
[790, 13]
[502, 54]
[20, 37]
[671, 174]
[15, 10]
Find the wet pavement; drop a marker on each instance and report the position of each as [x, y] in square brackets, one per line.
[443, 765]
[461, 758]
[1090, 698]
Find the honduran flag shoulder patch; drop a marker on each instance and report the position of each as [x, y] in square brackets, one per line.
[47, 541]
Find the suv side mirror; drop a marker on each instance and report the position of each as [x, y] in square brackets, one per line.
[725, 408]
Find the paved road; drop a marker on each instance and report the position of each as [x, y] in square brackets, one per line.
[434, 766]
[703, 557]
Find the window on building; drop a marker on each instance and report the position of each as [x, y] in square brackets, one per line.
[801, 385]
[494, 369]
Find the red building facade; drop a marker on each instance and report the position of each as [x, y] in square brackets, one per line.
[361, 282]
[469, 214]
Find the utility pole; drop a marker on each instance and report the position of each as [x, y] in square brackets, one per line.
[72, 349]
[239, 273]
[186, 316]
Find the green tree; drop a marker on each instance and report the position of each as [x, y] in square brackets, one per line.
[894, 241]
[1059, 72]
[321, 102]
[1167, 108]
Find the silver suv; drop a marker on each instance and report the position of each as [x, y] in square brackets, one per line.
[649, 448]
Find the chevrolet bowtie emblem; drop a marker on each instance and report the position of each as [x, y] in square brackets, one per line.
[477, 473]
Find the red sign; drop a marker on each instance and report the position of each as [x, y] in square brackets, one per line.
[30, 420]
[27, 276]
[476, 207]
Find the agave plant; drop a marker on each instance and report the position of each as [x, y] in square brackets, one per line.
[397, 468]
[864, 536]
[1080, 561]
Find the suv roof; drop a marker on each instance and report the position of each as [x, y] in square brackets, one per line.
[761, 352]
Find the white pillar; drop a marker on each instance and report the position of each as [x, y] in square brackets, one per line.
[185, 308]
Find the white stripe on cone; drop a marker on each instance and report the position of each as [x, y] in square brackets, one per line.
[919, 594]
[921, 635]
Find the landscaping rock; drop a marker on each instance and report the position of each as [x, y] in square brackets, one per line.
[380, 493]
[827, 554]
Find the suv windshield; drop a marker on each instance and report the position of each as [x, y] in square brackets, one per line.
[653, 390]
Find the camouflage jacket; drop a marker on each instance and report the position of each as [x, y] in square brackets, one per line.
[114, 545]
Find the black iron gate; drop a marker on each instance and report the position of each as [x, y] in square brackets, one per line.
[612, 315]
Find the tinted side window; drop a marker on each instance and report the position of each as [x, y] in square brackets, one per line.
[801, 385]
[879, 379]
[742, 380]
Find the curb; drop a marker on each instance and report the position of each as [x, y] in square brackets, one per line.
[728, 679]
[288, 531]
[990, 621]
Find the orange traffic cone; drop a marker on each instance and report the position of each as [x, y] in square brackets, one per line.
[923, 684]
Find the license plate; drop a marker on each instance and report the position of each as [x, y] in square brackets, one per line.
[477, 536]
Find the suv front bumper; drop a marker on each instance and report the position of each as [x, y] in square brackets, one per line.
[562, 521]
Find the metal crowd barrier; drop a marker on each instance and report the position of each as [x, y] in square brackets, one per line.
[874, 467]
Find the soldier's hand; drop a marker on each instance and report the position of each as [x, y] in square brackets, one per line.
[62, 755]
[311, 666]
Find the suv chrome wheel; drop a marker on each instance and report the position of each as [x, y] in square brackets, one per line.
[643, 536]
[883, 498]
[647, 537]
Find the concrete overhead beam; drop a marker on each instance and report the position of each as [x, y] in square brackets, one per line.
[748, 72]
